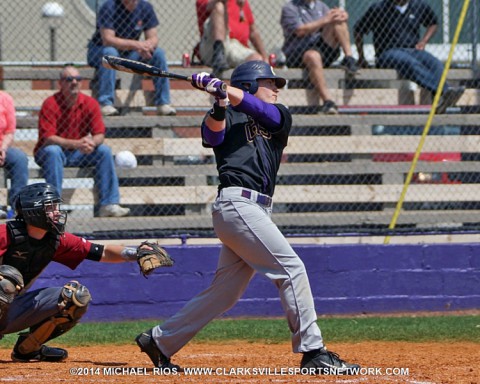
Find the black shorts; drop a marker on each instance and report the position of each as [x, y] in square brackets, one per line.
[328, 54]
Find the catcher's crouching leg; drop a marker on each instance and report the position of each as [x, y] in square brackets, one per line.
[73, 304]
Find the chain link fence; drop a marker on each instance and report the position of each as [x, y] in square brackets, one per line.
[340, 173]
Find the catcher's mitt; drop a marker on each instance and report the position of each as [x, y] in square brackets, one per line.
[151, 256]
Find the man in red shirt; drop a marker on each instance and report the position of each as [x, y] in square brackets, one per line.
[71, 134]
[27, 245]
[226, 29]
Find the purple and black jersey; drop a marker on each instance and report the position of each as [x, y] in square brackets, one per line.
[250, 153]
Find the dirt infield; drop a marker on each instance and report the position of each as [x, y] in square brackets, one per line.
[240, 362]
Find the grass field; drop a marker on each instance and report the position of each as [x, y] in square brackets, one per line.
[335, 329]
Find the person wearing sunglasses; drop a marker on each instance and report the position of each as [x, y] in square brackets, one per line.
[71, 132]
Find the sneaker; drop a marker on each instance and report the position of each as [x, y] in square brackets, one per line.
[45, 353]
[321, 361]
[109, 110]
[329, 108]
[113, 210]
[449, 98]
[147, 345]
[349, 64]
[166, 110]
[3, 214]
[219, 61]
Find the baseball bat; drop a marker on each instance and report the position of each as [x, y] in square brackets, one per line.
[140, 68]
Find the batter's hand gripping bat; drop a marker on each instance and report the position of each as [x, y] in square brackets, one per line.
[138, 67]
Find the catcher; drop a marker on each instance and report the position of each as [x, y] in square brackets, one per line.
[27, 245]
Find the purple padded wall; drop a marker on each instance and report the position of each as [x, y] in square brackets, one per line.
[345, 279]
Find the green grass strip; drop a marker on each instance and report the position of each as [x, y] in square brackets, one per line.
[343, 329]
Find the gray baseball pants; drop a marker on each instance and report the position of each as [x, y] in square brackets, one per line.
[251, 243]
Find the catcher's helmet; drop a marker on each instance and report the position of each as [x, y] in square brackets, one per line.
[39, 205]
[245, 76]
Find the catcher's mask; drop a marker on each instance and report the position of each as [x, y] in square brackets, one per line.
[245, 76]
[39, 205]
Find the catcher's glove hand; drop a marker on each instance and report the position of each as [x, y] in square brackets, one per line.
[151, 256]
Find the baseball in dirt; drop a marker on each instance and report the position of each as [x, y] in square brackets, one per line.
[125, 159]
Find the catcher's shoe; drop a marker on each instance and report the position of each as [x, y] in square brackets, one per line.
[43, 354]
[147, 345]
[321, 361]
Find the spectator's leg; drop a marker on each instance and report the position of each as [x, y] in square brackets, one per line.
[237, 53]
[254, 56]
[219, 22]
[106, 179]
[313, 62]
[16, 166]
[162, 84]
[52, 160]
[336, 34]
[219, 30]
[408, 65]
[333, 36]
[450, 94]
[106, 77]
[434, 66]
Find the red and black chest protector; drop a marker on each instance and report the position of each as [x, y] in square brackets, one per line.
[30, 256]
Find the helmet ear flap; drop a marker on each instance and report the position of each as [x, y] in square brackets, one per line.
[249, 86]
[253, 88]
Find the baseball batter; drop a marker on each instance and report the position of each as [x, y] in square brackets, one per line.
[27, 245]
[248, 131]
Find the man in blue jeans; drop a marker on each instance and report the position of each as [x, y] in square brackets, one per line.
[120, 24]
[396, 37]
[71, 134]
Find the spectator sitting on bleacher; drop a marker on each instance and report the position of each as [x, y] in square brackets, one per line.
[71, 134]
[396, 37]
[120, 24]
[12, 159]
[313, 35]
[226, 27]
